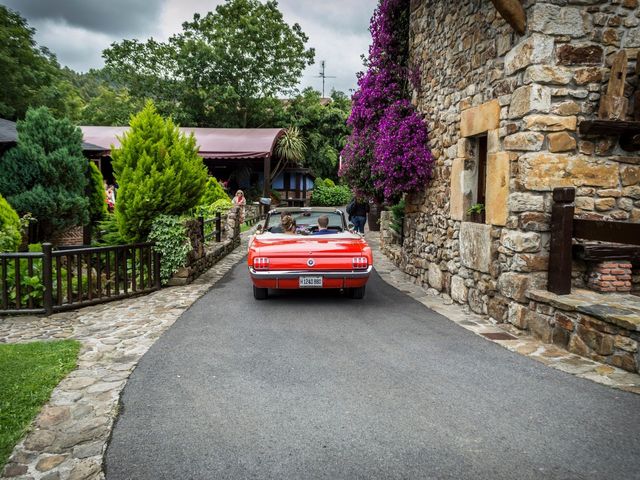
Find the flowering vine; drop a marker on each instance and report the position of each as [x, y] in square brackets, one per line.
[387, 153]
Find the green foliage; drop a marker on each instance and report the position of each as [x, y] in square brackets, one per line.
[323, 127]
[159, 172]
[291, 146]
[108, 232]
[31, 286]
[476, 208]
[28, 374]
[110, 107]
[397, 213]
[222, 205]
[326, 196]
[213, 192]
[10, 236]
[26, 68]
[96, 194]
[45, 174]
[172, 242]
[329, 183]
[224, 69]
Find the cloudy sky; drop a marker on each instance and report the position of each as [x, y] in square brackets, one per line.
[78, 30]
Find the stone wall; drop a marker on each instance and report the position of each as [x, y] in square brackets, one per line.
[204, 255]
[526, 96]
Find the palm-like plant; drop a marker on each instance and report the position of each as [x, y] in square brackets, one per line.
[290, 148]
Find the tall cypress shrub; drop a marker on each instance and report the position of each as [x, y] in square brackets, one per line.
[10, 236]
[159, 172]
[96, 194]
[44, 174]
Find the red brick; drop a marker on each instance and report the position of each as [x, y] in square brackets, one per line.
[624, 277]
[608, 265]
[607, 277]
[603, 270]
[624, 265]
[620, 271]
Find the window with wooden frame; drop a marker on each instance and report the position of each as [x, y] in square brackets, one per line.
[476, 212]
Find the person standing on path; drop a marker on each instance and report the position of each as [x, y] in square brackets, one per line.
[358, 210]
[240, 201]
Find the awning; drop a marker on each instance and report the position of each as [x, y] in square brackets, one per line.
[213, 142]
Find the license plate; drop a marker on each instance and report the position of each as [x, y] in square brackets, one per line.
[310, 282]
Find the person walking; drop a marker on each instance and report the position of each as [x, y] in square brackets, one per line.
[358, 210]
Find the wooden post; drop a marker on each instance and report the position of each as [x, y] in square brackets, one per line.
[156, 269]
[613, 105]
[559, 279]
[513, 13]
[47, 279]
[201, 226]
[218, 227]
[266, 187]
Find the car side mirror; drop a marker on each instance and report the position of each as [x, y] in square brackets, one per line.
[259, 228]
[351, 226]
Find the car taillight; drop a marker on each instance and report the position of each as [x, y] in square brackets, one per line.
[261, 263]
[360, 262]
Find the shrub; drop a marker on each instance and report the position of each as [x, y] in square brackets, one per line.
[108, 232]
[170, 235]
[10, 236]
[213, 192]
[159, 173]
[329, 183]
[45, 174]
[207, 211]
[96, 194]
[397, 220]
[324, 196]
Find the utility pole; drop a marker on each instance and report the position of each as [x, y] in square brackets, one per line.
[323, 75]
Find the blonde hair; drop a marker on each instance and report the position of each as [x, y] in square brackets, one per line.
[288, 223]
[239, 192]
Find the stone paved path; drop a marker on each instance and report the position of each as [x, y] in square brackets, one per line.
[69, 436]
[523, 344]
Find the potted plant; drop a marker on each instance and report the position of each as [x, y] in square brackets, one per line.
[476, 213]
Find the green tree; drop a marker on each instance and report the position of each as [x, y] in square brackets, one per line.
[96, 194]
[323, 128]
[110, 107]
[221, 69]
[159, 172]
[44, 174]
[10, 236]
[26, 68]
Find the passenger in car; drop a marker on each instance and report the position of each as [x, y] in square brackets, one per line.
[323, 224]
[288, 224]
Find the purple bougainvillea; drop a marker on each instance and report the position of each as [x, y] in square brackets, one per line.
[402, 161]
[387, 153]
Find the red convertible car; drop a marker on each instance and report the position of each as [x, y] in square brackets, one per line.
[339, 258]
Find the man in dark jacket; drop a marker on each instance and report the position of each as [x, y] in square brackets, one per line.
[358, 210]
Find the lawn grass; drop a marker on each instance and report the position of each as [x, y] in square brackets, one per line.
[244, 227]
[28, 374]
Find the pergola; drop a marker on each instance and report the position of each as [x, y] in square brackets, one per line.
[226, 146]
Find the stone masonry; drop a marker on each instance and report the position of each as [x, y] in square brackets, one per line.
[525, 96]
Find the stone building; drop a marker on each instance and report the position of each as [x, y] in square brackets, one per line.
[504, 111]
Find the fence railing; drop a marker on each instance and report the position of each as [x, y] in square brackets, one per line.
[253, 214]
[564, 228]
[212, 227]
[56, 280]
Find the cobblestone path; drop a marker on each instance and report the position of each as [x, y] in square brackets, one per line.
[69, 436]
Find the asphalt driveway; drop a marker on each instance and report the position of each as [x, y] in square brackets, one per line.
[314, 385]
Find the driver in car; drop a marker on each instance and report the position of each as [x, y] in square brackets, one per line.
[323, 224]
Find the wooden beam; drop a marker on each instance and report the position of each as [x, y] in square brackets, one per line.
[266, 184]
[513, 13]
[559, 276]
[609, 127]
[607, 231]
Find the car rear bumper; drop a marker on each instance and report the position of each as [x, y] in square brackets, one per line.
[290, 278]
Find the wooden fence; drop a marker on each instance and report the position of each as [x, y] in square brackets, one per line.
[564, 228]
[55, 280]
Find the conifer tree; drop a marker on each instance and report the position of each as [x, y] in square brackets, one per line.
[96, 194]
[44, 174]
[10, 236]
[158, 170]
